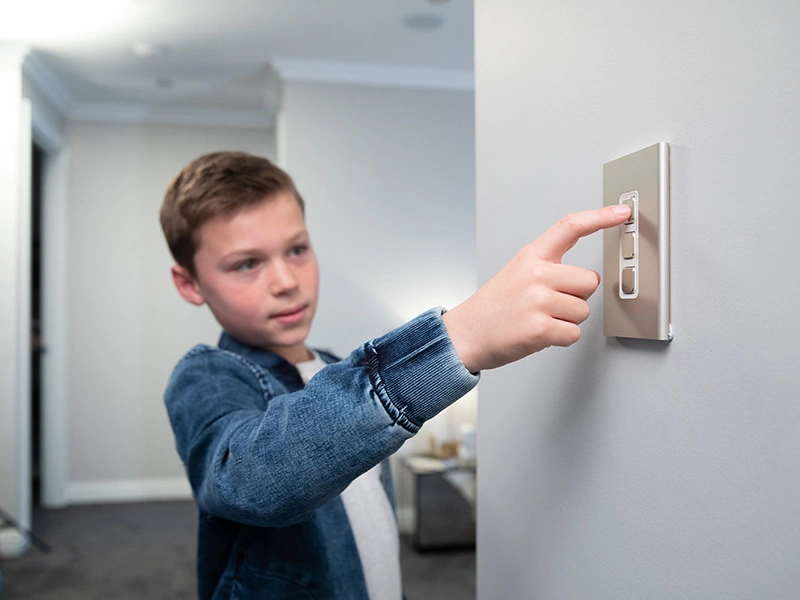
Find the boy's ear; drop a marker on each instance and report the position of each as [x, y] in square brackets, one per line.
[186, 285]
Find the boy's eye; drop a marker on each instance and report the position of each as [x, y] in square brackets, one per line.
[298, 250]
[245, 265]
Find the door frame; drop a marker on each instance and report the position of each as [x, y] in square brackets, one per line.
[54, 319]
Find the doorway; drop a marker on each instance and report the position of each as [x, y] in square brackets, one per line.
[37, 348]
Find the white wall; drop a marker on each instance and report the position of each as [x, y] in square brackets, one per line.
[127, 325]
[630, 469]
[388, 179]
[14, 310]
[24, 113]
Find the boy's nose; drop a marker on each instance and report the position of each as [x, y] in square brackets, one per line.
[282, 278]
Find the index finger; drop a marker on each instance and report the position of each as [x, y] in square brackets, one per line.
[556, 241]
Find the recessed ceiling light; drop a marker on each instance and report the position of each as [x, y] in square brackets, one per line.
[148, 50]
[423, 21]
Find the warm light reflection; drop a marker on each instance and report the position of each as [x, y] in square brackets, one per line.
[422, 289]
[42, 21]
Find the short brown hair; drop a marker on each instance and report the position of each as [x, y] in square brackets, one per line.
[219, 183]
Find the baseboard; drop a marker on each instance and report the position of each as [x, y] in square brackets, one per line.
[128, 490]
[12, 543]
[178, 488]
[406, 517]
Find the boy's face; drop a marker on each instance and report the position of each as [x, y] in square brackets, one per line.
[258, 274]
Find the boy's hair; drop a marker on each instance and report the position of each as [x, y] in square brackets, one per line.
[219, 183]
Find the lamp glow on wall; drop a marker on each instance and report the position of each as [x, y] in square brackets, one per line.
[44, 20]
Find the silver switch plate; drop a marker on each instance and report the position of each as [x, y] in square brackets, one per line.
[643, 312]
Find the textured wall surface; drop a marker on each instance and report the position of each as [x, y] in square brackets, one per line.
[388, 176]
[620, 469]
[13, 240]
[128, 325]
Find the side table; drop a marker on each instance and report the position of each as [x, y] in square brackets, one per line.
[445, 502]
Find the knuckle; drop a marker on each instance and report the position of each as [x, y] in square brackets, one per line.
[566, 334]
[587, 283]
[571, 221]
[540, 325]
[538, 271]
[584, 312]
[539, 299]
[570, 335]
[592, 279]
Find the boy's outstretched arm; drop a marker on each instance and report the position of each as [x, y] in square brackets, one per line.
[260, 456]
[534, 301]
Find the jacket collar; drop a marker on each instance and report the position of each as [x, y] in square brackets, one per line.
[262, 356]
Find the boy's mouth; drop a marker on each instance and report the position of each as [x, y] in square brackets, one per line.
[291, 315]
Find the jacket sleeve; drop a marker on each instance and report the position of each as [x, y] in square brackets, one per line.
[271, 461]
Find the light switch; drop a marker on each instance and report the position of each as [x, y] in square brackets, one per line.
[636, 266]
[628, 245]
[628, 240]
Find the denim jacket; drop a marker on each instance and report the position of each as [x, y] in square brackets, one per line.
[267, 458]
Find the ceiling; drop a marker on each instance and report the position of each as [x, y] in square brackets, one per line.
[217, 54]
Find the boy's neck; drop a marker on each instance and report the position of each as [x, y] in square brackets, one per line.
[294, 354]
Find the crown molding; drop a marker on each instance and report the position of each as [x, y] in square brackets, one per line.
[144, 114]
[12, 54]
[47, 82]
[297, 70]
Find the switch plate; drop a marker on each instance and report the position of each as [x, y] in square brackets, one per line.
[640, 309]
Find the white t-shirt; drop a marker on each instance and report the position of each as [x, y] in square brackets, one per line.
[372, 520]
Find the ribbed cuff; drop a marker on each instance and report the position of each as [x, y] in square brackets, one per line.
[416, 372]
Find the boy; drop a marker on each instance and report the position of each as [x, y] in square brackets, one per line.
[290, 473]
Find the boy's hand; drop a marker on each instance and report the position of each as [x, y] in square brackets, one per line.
[534, 301]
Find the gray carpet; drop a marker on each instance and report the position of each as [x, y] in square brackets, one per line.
[146, 550]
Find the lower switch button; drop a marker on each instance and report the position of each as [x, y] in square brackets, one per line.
[628, 280]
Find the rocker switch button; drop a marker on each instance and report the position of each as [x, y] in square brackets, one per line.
[628, 280]
[630, 203]
[628, 245]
